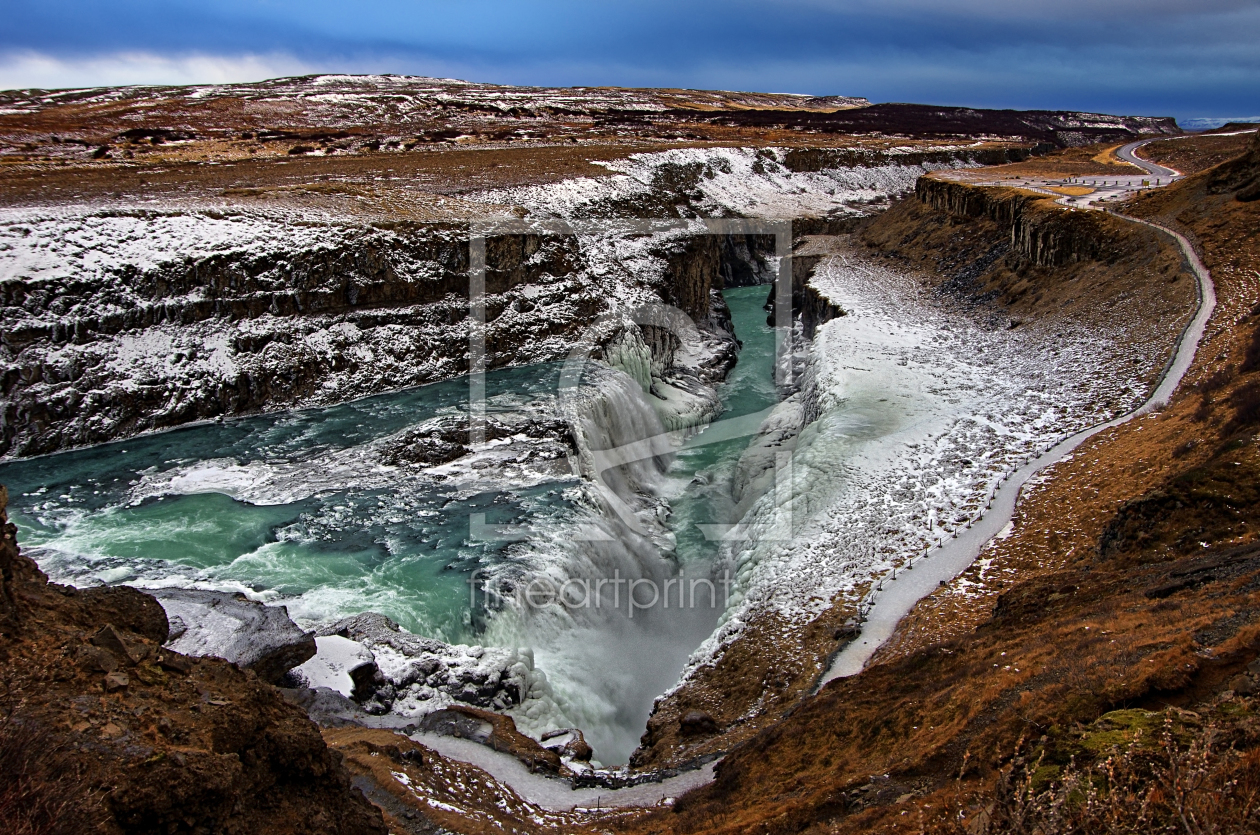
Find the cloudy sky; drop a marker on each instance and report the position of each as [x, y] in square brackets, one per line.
[1184, 58]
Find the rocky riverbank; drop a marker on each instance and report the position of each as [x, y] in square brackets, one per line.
[105, 727]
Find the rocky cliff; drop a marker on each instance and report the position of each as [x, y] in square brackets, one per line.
[103, 339]
[1019, 253]
[1040, 232]
[1061, 128]
[1009, 263]
[820, 159]
[809, 306]
[154, 741]
[1106, 640]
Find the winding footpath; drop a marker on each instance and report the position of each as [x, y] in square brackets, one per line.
[556, 793]
[899, 593]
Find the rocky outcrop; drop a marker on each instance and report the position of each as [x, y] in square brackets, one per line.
[232, 627]
[1057, 128]
[1040, 232]
[694, 267]
[697, 723]
[411, 675]
[495, 731]
[821, 159]
[157, 741]
[568, 743]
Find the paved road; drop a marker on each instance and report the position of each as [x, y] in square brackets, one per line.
[1158, 171]
[1114, 188]
[1104, 188]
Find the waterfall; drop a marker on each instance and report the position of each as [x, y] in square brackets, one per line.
[627, 352]
[605, 658]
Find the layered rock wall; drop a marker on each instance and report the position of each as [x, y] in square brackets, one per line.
[92, 354]
[820, 159]
[1040, 232]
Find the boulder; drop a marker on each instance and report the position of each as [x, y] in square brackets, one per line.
[415, 675]
[1243, 685]
[697, 723]
[126, 608]
[457, 724]
[234, 628]
[495, 731]
[340, 664]
[569, 743]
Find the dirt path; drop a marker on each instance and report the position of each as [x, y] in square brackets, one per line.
[555, 793]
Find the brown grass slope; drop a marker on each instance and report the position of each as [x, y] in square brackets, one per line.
[102, 730]
[1131, 582]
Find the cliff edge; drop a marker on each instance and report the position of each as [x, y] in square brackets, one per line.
[104, 730]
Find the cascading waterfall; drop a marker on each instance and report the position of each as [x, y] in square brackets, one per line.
[341, 510]
[606, 657]
[606, 668]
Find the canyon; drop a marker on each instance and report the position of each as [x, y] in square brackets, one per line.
[729, 338]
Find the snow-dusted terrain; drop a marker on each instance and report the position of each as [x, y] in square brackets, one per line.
[922, 409]
[725, 182]
[121, 320]
[117, 322]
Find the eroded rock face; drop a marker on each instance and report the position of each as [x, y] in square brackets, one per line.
[160, 742]
[230, 626]
[144, 320]
[1039, 233]
[126, 608]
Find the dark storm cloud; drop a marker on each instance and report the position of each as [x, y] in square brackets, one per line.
[1151, 56]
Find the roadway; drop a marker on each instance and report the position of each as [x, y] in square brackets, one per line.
[1104, 188]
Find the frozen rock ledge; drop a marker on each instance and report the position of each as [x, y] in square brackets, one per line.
[386, 669]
